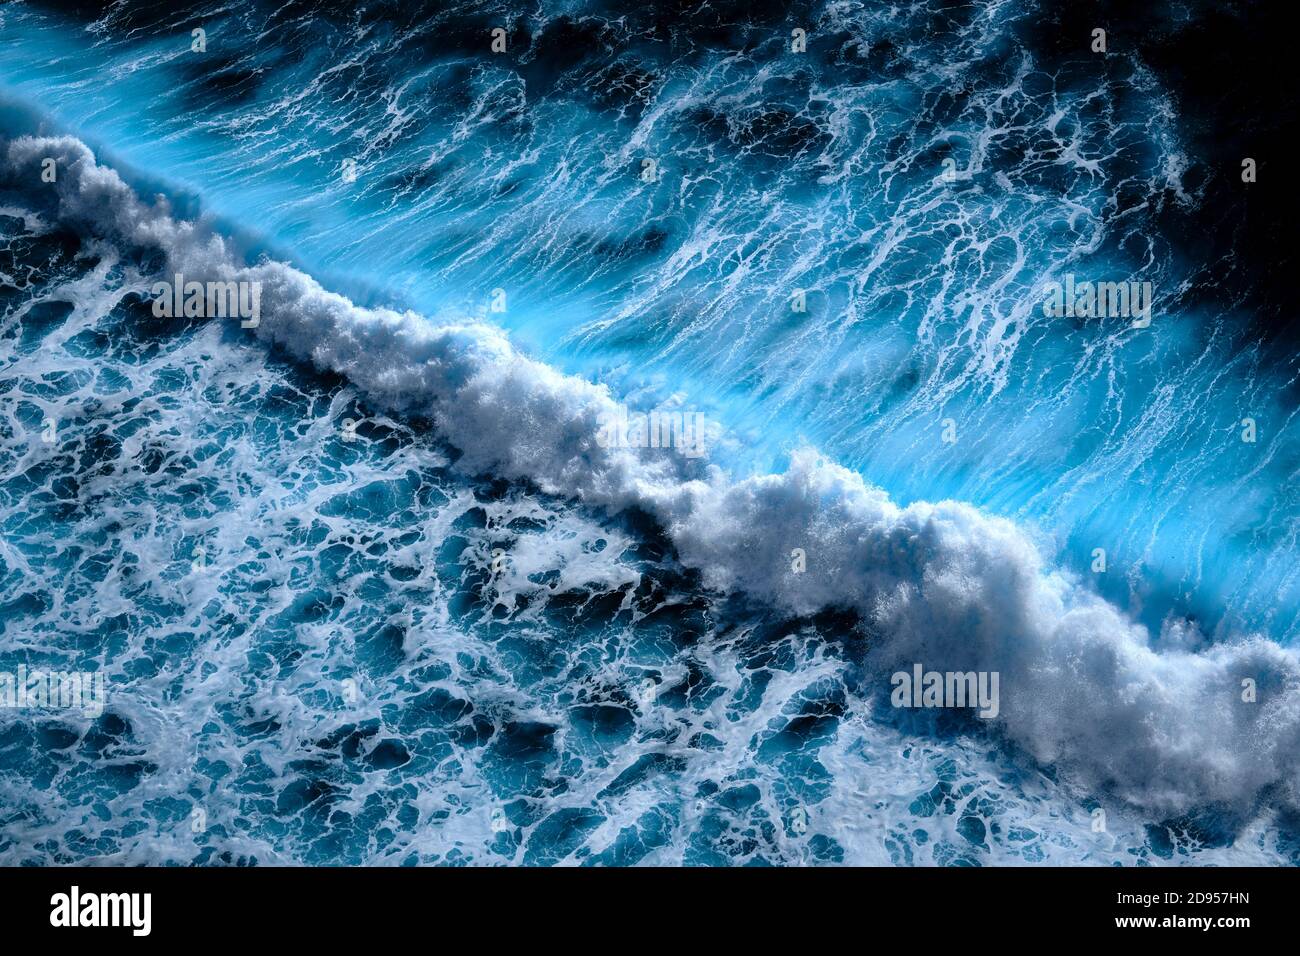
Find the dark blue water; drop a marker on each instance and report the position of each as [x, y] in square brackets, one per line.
[446, 636]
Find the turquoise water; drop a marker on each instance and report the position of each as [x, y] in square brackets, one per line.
[501, 713]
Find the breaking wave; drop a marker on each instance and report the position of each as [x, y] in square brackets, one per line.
[1083, 687]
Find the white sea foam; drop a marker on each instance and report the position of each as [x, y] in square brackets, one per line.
[941, 583]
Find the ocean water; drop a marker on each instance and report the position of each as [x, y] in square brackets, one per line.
[368, 588]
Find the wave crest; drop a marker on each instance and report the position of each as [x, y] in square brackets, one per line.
[939, 583]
